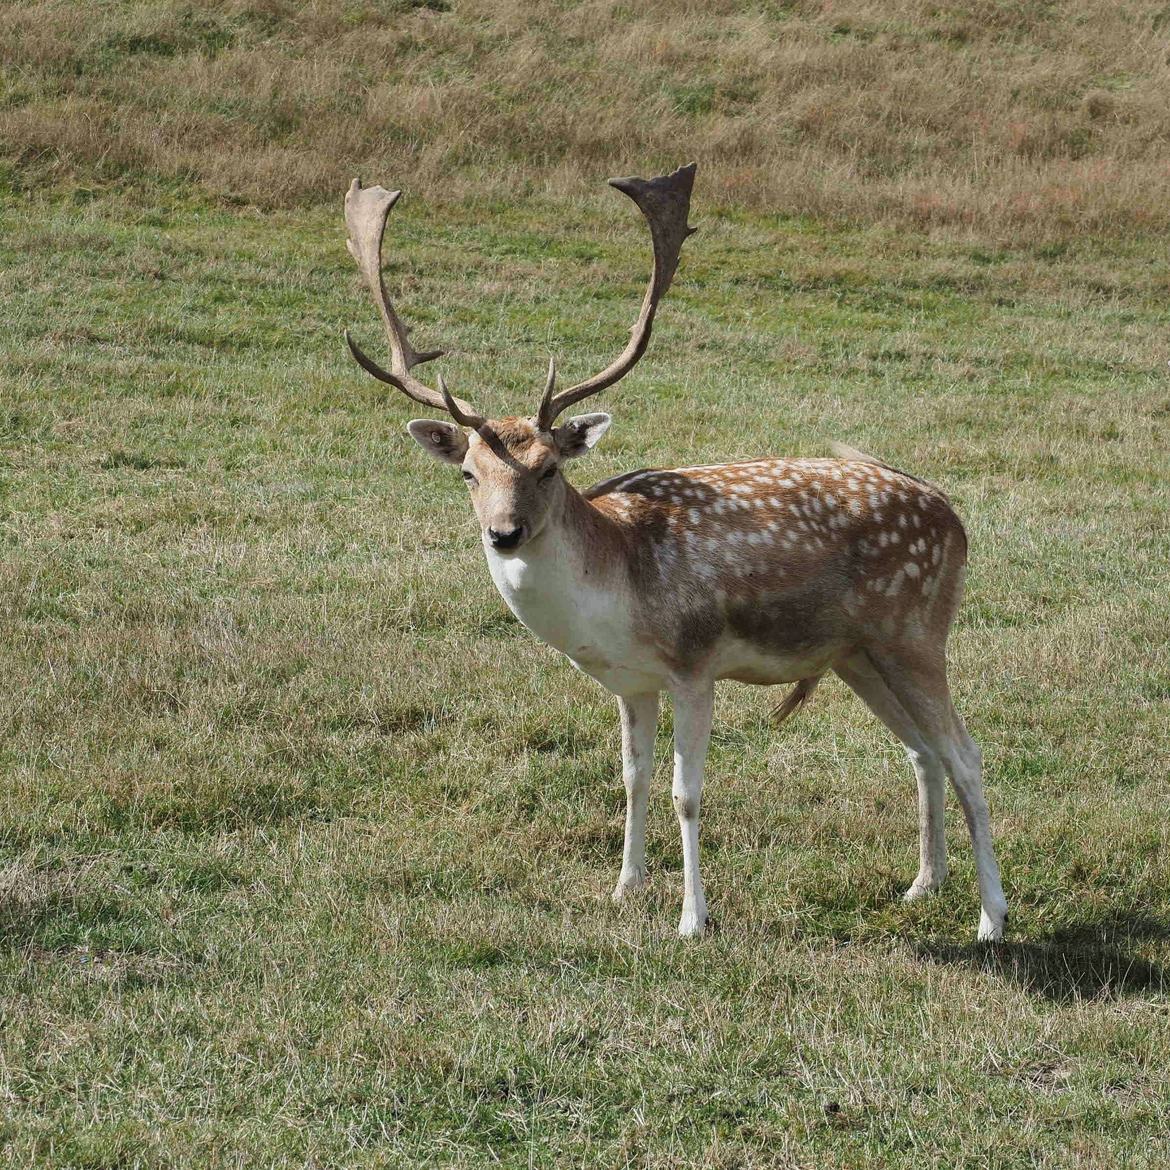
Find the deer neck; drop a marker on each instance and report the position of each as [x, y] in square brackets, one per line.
[566, 584]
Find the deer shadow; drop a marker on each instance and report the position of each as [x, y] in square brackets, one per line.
[1091, 960]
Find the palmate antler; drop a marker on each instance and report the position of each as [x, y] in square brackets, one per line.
[664, 202]
[366, 210]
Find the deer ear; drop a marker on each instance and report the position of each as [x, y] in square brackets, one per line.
[441, 440]
[576, 435]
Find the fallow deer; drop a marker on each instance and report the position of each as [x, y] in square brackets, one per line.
[769, 571]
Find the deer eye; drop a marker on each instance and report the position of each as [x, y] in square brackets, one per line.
[548, 472]
[469, 477]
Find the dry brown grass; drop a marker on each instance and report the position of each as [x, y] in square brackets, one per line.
[1008, 117]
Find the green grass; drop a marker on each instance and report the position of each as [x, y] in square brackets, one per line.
[307, 845]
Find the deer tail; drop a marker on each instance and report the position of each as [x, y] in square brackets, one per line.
[795, 699]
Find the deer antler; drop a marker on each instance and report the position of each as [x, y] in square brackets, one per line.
[664, 202]
[366, 210]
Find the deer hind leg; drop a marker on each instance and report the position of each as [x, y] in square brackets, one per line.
[918, 681]
[639, 722]
[693, 705]
[870, 687]
[966, 770]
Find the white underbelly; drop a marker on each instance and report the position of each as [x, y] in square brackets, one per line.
[627, 680]
[737, 659]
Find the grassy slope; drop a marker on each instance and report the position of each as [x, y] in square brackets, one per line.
[307, 846]
[1012, 117]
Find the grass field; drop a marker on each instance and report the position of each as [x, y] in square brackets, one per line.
[306, 845]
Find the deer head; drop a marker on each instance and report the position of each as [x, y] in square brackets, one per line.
[512, 464]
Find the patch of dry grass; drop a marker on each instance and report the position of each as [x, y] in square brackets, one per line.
[1009, 119]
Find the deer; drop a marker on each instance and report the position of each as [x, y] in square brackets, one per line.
[771, 571]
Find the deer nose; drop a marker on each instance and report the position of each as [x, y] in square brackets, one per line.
[505, 538]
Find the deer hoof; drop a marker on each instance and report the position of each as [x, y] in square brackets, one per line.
[694, 918]
[630, 882]
[922, 889]
[991, 926]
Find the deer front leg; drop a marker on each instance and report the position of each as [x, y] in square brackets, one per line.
[692, 733]
[639, 722]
